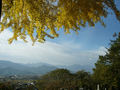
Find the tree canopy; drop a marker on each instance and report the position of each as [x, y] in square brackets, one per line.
[35, 17]
[107, 71]
[63, 78]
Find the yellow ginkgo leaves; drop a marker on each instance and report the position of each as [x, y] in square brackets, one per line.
[27, 17]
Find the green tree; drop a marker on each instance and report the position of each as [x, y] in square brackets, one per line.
[102, 76]
[62, 78]
[55, 79]
[27, 17]
[107, 69]
[83, 78]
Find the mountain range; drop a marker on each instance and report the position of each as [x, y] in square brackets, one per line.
[11, 68]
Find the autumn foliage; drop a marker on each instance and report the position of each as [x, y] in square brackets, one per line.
[28, 17]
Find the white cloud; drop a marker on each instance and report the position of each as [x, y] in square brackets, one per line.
[52, 53]
[101, 50]
[90, 59]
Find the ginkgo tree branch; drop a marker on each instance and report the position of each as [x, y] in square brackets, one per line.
[0, 8]
[26, 17]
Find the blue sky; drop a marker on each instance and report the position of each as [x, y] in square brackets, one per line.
[83, 49]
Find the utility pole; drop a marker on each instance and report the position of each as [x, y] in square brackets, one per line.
[98, 87]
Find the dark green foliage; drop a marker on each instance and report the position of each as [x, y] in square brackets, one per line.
[6, 86]
[62, 78]
[107, 71]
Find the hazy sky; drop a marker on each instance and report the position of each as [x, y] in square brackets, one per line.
[83, 49]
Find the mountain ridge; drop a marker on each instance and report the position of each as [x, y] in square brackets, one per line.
[42, 68]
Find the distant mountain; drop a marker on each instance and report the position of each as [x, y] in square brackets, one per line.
[38, 68]
[11, 71]
[37, 64]
[5, 64]
[15, 67]
[73, 68]
[41, 69]
[77, 67]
